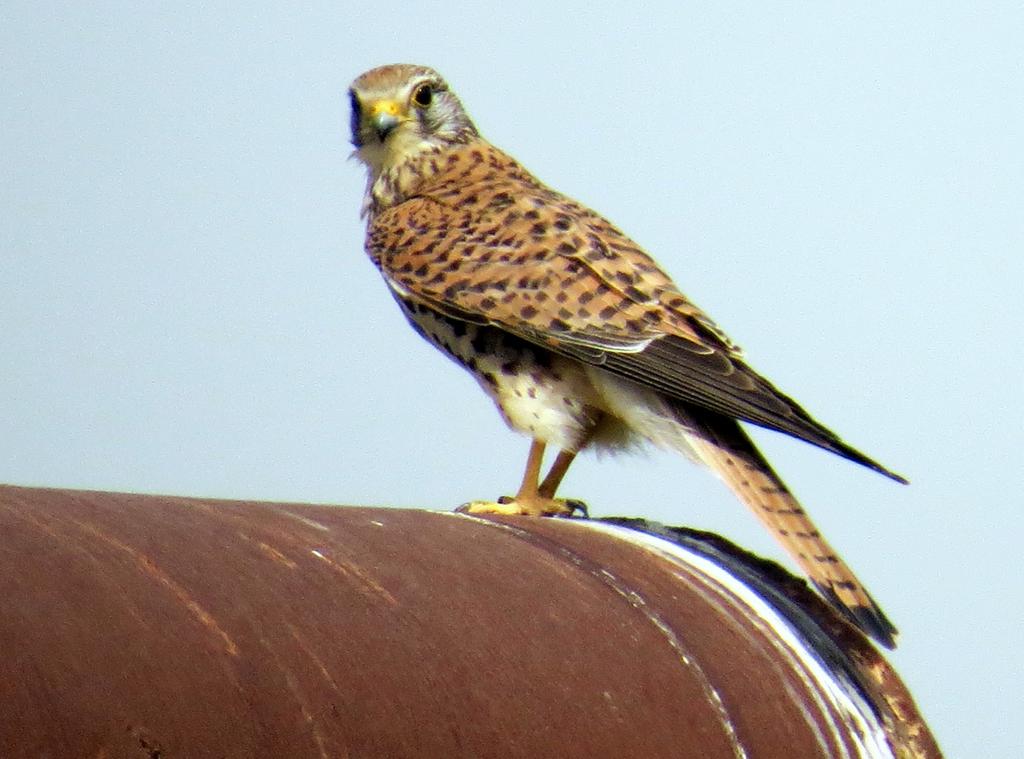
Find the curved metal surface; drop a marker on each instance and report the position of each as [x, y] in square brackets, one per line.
[169, 627]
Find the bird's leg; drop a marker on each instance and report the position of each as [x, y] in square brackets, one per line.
[528, 488]
[558, 469]
[533, 499]
[550, 484]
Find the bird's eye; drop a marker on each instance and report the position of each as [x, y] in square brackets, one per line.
[422, 95]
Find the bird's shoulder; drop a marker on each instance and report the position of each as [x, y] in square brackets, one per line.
[483, 235]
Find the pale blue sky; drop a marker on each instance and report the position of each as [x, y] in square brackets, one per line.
[185, 306]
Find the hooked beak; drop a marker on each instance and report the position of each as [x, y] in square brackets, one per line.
[384, 115]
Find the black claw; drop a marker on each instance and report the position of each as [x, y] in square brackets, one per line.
[577, 505]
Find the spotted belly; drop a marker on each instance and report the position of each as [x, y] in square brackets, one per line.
[538, 392]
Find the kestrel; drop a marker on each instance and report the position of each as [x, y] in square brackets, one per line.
[574, 331]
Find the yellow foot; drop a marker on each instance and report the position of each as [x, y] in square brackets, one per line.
[533, 506]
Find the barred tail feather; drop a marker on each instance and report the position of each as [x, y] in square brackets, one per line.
[723, 445]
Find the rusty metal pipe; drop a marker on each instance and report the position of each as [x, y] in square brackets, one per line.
[153, 626]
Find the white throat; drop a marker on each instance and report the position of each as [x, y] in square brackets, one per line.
[393, 166]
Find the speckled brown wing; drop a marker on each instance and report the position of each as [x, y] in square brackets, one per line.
[484, 241]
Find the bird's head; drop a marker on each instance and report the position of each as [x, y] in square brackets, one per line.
[401, 111]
